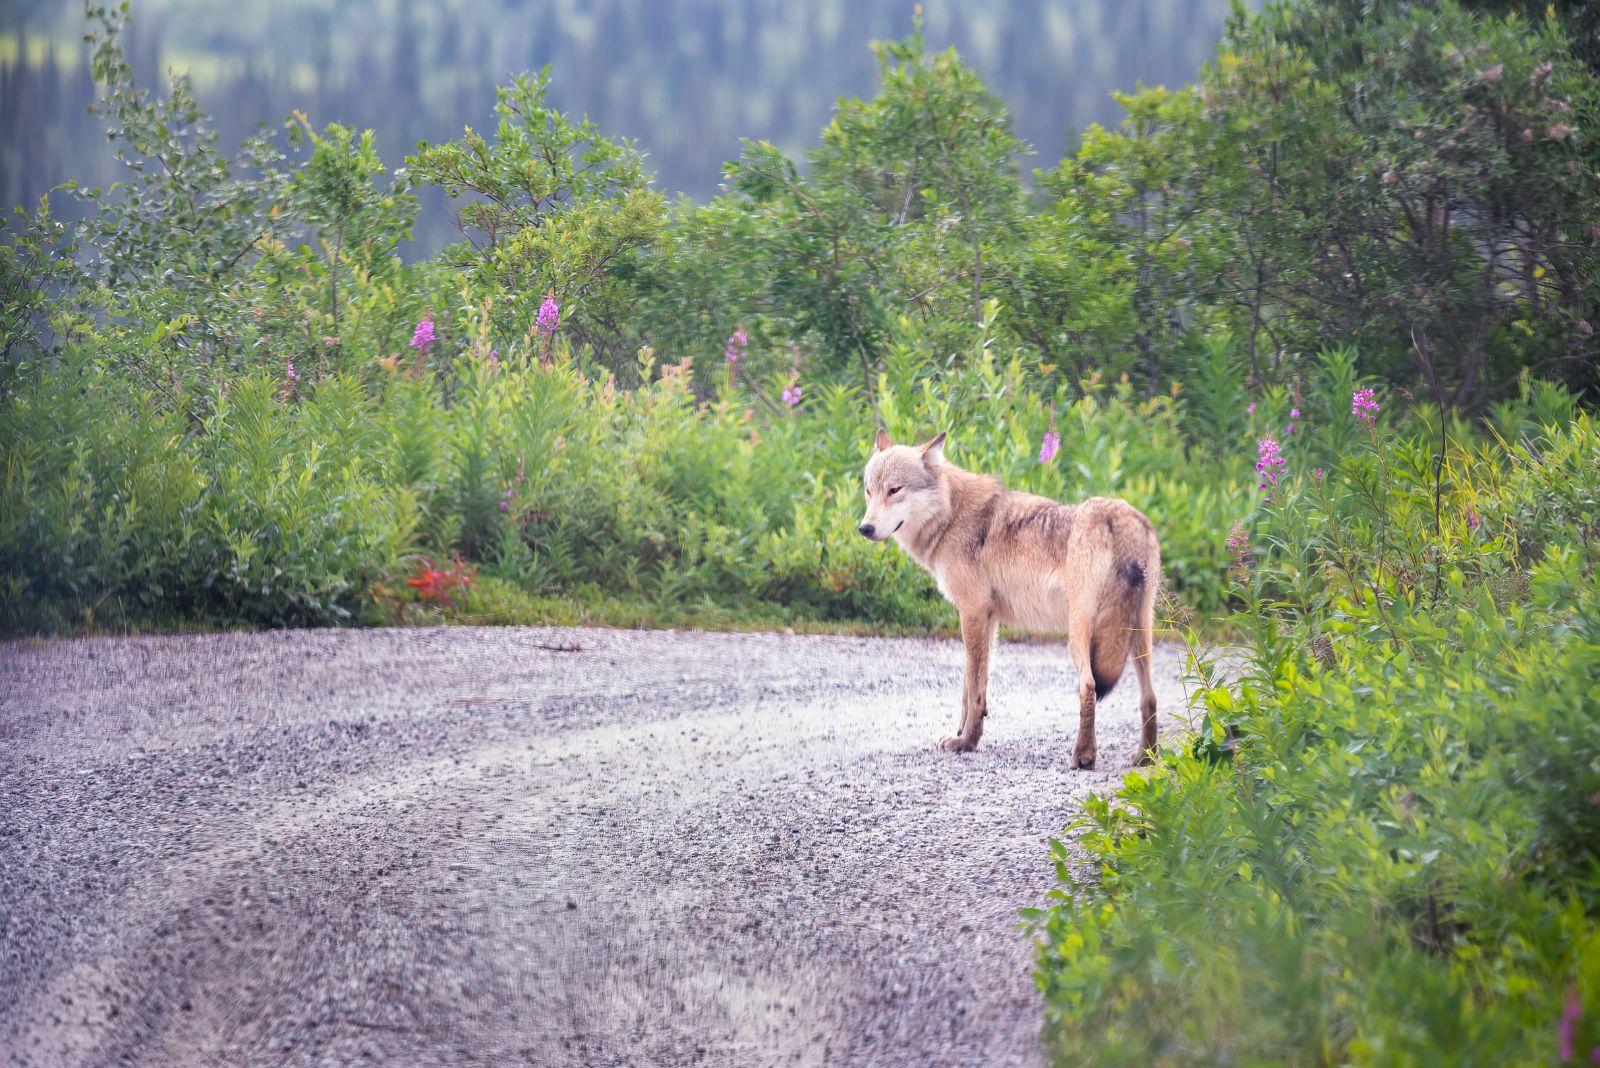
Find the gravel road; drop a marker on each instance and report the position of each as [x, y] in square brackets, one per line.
[529, 846]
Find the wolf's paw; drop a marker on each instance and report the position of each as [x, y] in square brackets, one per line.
[1144, 759]
[957, 743]
[1083, 758]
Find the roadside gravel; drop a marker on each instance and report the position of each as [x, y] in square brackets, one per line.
[529, 846]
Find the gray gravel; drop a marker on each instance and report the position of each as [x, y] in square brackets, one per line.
[529, 846]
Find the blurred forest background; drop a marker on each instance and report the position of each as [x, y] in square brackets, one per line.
[684, 80]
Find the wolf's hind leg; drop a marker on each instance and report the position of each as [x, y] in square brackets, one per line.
[1143, 654]
[977, 633]
[1143, 650]
[1078, 644]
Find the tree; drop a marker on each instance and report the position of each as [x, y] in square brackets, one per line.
[556, 207]
[909, 198]
[1418, 181]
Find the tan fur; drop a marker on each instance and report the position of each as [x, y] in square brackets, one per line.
[1089, 571]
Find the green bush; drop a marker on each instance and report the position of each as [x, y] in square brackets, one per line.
[1381, 844]
[99, 494]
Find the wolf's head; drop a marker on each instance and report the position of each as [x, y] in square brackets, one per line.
[904, 488]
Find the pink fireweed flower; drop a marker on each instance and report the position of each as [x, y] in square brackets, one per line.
[1250, 409]
[1238, 551]
[422, 336]
[1049, 447]
[1268, 458]
[549, 314]
[1294, 413]
[738, 341]
[791, 394]
[1364, 406]
[522, 476]
[289, 371]
[1318, 475]
[1567, 1028]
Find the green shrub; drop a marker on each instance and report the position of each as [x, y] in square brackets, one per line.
[98, 500]
[1382, 844]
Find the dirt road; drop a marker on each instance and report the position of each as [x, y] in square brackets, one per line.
[518, 846]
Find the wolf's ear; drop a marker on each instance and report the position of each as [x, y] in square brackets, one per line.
[933, 451]
[883, 440]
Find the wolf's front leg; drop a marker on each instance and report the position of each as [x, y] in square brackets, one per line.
[977, 632]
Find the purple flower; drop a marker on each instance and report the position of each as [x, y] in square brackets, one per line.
[494, 358]
[1568, 1026]
[1472, 519]
[422, 336]
[549, 314]
[1250, 409]
[791, 394]
[289, 371]
[1289, 429]
[1051, 445]
[737, 342]
[1267, 459]
[1364, 407]
[1318, 475]
[1239, 550]
[1294, 413]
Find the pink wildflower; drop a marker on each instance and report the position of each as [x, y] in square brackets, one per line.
[1267, 459]
[1364, 406]
[1239, 551]
[289, 371]
[549, 314]
[422, 336]
[791, 394]
[737, 343]
[1050, 446]
[1568, 1026]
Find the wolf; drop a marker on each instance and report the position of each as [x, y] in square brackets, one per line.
[1090, 570]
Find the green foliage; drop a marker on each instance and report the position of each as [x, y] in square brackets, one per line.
[1414, 179]
[172, 240]
[1381, 845]
[97, 499]
[558, 207]
[36, 261]
[1163, 302]
[907, 199]
[267, 516]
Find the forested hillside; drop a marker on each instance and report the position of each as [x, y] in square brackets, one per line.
[684, 80]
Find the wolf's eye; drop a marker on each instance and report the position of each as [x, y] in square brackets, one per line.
[895, 489]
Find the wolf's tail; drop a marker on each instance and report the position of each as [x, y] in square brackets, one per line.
[1107, 657]
[1126, 619]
